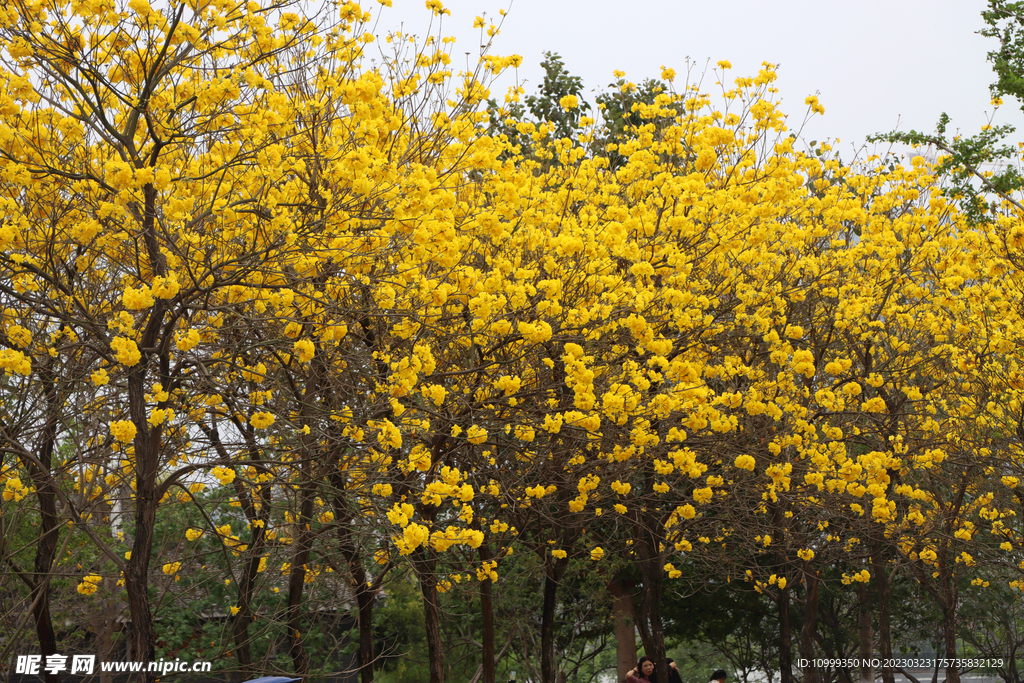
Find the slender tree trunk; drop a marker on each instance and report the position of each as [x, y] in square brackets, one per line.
[105, 637]
[49, 523]
[240, 634]
[365, 596]
[548, 666]
[949, 641]
[431, 615]
[358, 579]
[623, 611]
[883, 592]
[40, 596]
[297, 580]
[937, 668]
[834, 629]
[785, 638]
[948, 603]
[136, 583]
[136, 578]
[304, 537]
[147, 443]
[257, 521]
[650, 548]
[659, 653]
[364, 599]
[488, 664]
[424, 562]
[865, 635]
[247, 586]
[947, 594]
[46, 549]
[244, 618]
[652, 632]
[780, 531]
[810, 625]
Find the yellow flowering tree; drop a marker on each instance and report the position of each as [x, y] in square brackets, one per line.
[350, 324]
[171, 189]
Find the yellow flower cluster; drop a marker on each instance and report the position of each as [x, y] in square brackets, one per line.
[126, 351]
[15, 362]
[224, 475]
[261, 419]
[89, 584]
[123, 430]
[14, 489]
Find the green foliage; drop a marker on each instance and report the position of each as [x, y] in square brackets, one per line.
[619, 105]
[1004, 23]
[981, 169]
[558, 83]
[696, 659]
[542, 108]
[979, 192]
[401, 636]
[729, 623]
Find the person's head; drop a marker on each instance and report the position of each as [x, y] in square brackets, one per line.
[645, 665]
[718, 676]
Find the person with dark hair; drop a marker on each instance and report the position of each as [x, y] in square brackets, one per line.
[644, 672]
[718, 676]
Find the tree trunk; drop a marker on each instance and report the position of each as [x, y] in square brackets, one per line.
[488, 665]
[304, 537]
[242, 620]
[147, 443]
[625, 640]
[949, 640]
[297, 580]
[136, 583]
[883, 591]
[46, 549]
[364, 599]
[810, 625]
[365, 594]
[431, 616]
[49, 524]
[948, 604]
[40, 596]
[106, 627]
[240, 634]
[652, 632]
[780, 531]
[865, 636]
[136, 576]
[254, 553]
[548, 667]
[785, 638]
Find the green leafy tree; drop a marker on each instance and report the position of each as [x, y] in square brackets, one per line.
[554, 113]
[981, 169]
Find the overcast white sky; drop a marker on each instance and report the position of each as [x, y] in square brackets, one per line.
[876, 64]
